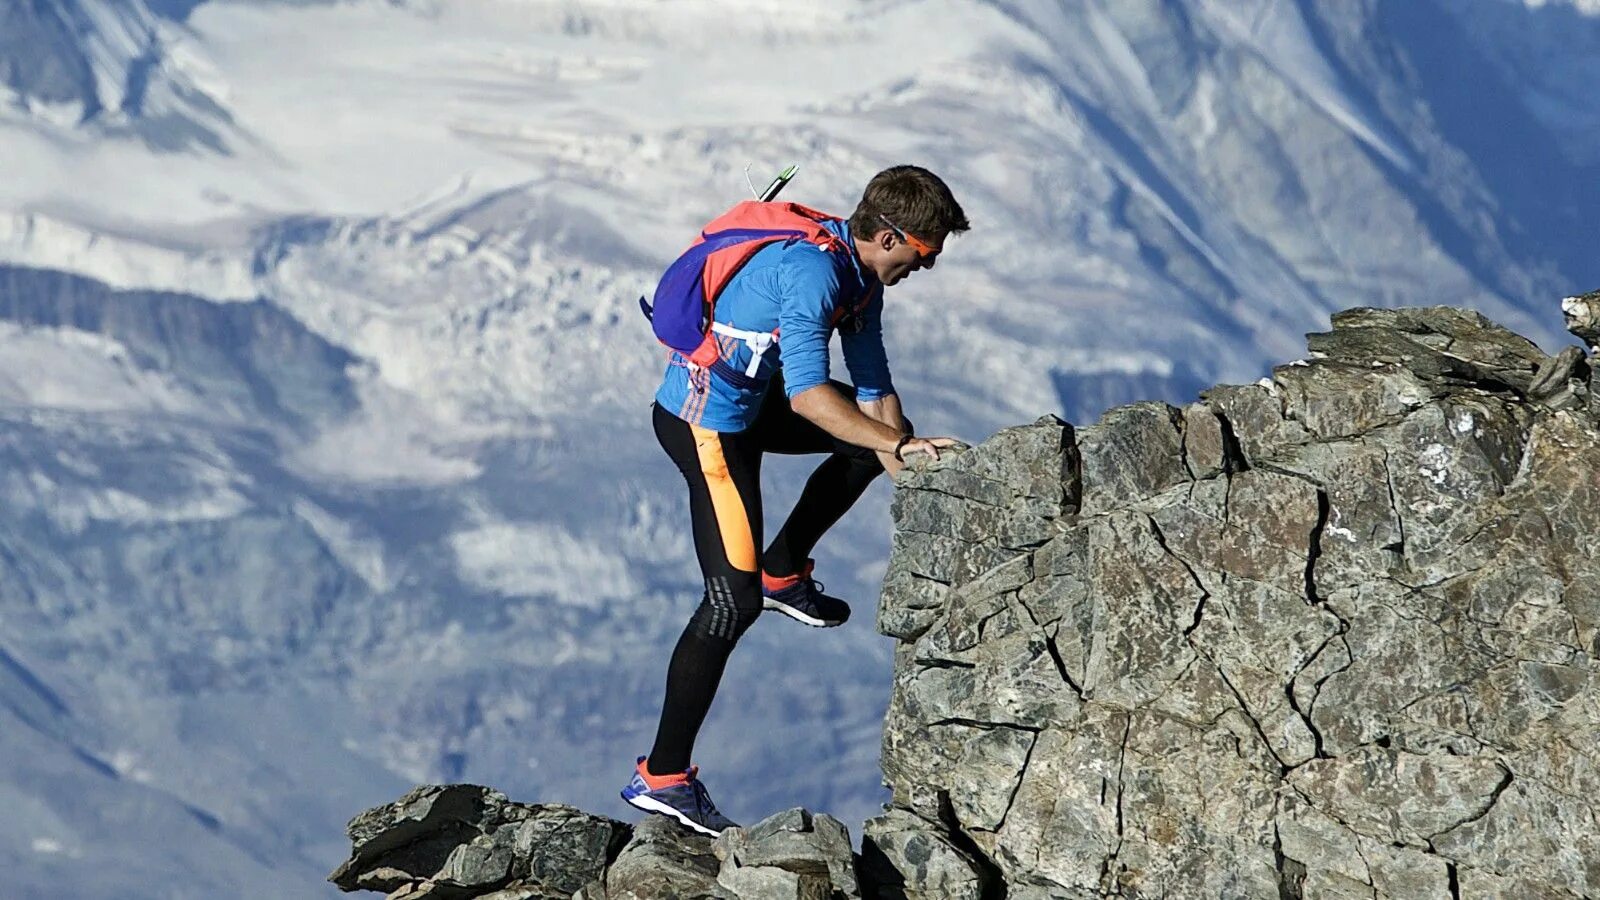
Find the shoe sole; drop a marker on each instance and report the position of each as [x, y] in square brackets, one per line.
[656, 806]
[799, 616]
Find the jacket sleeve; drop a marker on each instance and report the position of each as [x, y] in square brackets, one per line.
[864, 355]
[808, 283]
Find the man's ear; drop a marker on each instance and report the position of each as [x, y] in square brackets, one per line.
[883, 239]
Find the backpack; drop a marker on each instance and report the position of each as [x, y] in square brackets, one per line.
[683, 315]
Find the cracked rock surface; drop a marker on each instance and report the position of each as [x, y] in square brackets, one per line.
[1329, 635]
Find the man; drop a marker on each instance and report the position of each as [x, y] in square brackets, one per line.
[715, 424]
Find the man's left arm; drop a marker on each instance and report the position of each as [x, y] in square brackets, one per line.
[864, 356]
[886, 409]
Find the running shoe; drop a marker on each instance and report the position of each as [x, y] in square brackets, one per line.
[800, 597]
[679, 796]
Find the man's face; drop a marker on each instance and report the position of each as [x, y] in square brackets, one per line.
[906, 253]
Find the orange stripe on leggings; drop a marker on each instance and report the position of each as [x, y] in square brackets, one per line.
[737, 540]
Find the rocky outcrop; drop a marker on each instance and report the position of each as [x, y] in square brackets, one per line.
[468, 841]
[1583, 317]
[465, 841]
[1328, 635]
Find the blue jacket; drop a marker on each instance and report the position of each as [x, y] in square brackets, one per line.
[795, 288]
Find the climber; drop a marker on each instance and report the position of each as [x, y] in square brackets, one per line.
[771, 270]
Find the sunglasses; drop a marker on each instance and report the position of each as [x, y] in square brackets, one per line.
[923, 248]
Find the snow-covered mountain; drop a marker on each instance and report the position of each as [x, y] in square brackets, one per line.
[324, 464]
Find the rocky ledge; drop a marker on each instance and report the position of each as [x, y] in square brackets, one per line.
[465, 841]
[1329, 635]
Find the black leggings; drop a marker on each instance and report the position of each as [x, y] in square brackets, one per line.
[723, 472]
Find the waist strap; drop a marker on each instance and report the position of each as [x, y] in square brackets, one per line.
[759, 343]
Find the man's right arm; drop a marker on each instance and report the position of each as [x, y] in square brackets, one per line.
[835, 414]
[810, 286]
[838, 416]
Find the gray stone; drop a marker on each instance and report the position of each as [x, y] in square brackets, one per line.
[1562, 380]
[1362, 537]
[1438, 343]
[419, 834]
[1206, 450]
[814, 851]
[409, 828]
[1330, 635]
[1133, 453]
[767, 883]
[909, 602]
[1334, 399]
[529, 892]
[1050, 892]
[1582, 315]
[664, 859]
[1333, 635]
[1254, 415]
[1065, 820]
[1446, 464]
[972, 605]
[1030, 460]
[476, 865]
[1144, 600]
[467, 840]
[562, 849]
[944, 559]
[384, 879]
[1401, 798]
[1533, 831]
[907, 858]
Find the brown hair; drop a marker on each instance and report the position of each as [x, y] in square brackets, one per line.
[911, 197]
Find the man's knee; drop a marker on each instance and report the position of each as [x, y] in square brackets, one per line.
[730, 606]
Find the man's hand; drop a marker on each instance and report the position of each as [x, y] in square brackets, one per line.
[930, 446]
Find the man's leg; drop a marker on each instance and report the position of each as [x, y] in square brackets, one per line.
[723, 472]
[832, 489]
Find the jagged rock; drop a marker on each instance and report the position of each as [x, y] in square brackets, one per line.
[770, 883]
[1562, 382]
[792, 853]
[905, 858]
[1134, 452]
[1582, 315]
[1440, 344]
[1011, 496]
[664, 859]
[1329, 635]
[384, 879]
[1207, 447]
[1332, 634]
[461, 840]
